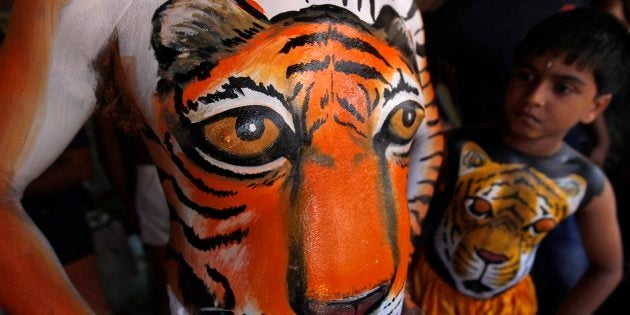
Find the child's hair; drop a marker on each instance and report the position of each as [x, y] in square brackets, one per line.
[595, 40]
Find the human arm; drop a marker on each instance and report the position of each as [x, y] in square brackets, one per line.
[46, 94]
[72, 167]
[602, 242]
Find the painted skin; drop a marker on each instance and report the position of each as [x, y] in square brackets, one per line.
[321, 116]
[290, 208]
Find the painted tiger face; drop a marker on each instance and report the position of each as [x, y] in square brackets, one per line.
[497, 217]
[290, 141]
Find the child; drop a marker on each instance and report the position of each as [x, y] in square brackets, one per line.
[509, 187]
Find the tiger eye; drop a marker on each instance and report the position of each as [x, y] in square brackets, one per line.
[406, 120]
[544, 225]
[481, 206]
[249, 128]
[409, 117]
[242, 136]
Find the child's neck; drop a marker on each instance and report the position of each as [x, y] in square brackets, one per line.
[536, 147]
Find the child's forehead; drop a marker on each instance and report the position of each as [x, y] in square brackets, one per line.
[558, 63]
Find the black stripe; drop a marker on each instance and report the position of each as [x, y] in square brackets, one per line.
[350, 109]
[424, 199]
[350, 125]
[432, 156]
[421, 50]
[332, 34]
[206, 212]
[523, 181]
[305, 106]
[364, 71]
[367, 98]
[210, 243]
[412, 11]
[514, 211]
[312, 66]
[372, 9]
[296, 91]
[194, 291]
[196, 181]
[315, 126]
[432, 123]
[148, 133]
[324, 100]
[228, 296]
[234, 89]
[539, 181]
[402, 155]
[485, 178]
[499, 184]
[432, 103]
[251, 10]
[515, 196]
[430, 182]
[402, 86]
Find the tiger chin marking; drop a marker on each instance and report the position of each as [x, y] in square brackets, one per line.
[307, 118]
[498, 216]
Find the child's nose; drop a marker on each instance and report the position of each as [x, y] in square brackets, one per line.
[537, 95]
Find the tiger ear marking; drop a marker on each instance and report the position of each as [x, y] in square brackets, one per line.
[574, 186]
[472, 157]
[190, 33]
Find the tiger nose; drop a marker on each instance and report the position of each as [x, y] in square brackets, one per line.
[490, 257]
[364, 303]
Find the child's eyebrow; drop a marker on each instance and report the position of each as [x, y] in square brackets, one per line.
[565, 77]
[571, 78]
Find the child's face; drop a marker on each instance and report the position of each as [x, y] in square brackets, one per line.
[545, 97]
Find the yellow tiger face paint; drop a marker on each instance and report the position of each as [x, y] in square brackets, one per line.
[290, 145]
[498, 216]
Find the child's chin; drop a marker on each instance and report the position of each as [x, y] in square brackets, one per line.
[524, 131]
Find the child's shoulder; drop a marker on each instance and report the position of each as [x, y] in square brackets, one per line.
[570, 160]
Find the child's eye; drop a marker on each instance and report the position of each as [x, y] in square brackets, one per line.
[563, 88]
[523, 76]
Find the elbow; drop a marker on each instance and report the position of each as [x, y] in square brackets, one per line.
[613, 274]
[617, 276]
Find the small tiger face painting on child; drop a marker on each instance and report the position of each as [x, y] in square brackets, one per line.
[498, 216]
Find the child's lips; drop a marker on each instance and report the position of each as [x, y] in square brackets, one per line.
[527, 118]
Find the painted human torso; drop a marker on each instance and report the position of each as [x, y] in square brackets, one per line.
[503, 204]
[282, 132]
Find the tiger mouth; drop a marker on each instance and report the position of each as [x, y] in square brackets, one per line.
[365, 303]
[476, 286]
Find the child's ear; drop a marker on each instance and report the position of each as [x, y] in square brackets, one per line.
[599, 105]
